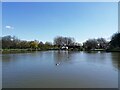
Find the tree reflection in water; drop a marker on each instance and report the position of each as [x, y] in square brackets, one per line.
[62, 57]
[116, 60]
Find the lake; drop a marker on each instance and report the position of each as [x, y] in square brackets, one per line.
[60, 69]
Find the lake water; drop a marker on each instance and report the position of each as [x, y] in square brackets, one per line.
[60, 69]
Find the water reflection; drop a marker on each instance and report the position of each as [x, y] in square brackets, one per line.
[74, 69]
[103, 58]
[61, 56]
[116, 60]
[97, 57]
[91, 52]
[67, 57]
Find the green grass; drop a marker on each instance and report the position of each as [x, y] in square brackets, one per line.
[4, 51]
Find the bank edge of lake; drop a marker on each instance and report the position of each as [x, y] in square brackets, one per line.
[5, 51]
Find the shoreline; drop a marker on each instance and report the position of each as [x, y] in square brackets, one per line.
[5, 51]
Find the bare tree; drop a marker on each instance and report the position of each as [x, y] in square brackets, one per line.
[62, 41]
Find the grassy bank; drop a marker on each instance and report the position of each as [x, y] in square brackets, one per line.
[4, 51]
[98, 50]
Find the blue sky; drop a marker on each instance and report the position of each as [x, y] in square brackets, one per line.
[44, 21]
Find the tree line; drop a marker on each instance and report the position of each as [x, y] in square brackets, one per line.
[9, 42]
[12, 42]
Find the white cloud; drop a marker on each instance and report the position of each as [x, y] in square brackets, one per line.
[9, 27]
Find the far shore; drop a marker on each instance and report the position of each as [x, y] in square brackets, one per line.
[4, 51]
